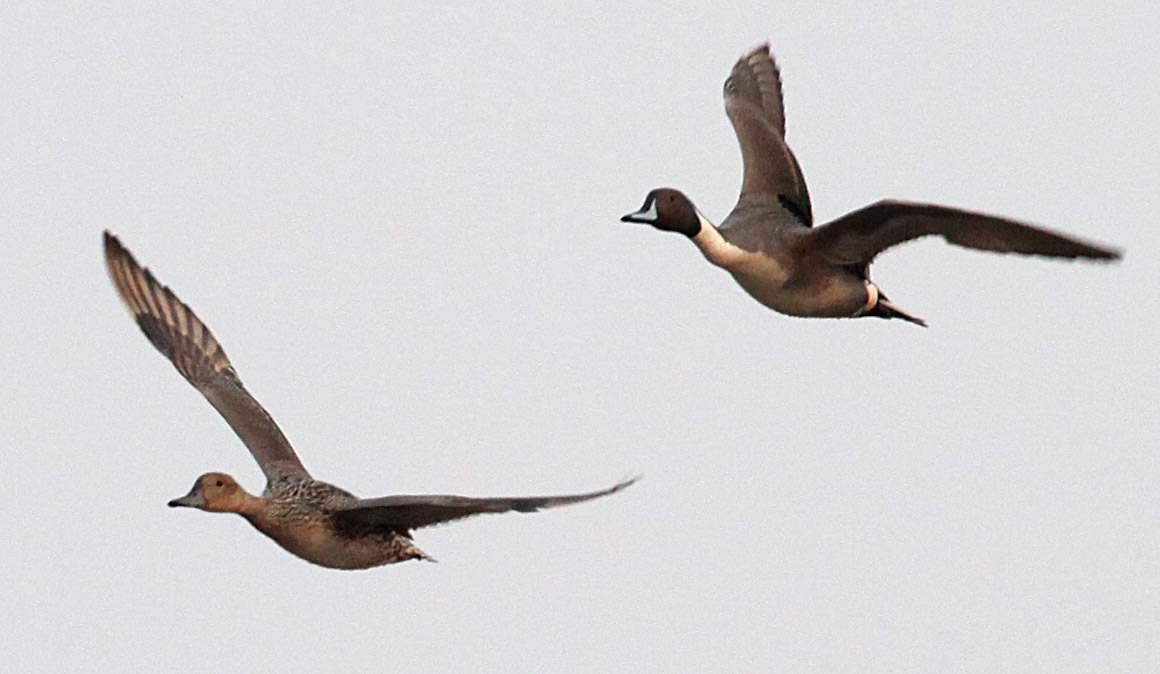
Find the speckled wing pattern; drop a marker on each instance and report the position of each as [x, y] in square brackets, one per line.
[857, 237]
[754, 105]
[406, 512]
[177, 333]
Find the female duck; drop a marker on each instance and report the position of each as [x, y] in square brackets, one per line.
[311, 519]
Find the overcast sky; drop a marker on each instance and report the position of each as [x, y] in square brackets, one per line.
[402, 226]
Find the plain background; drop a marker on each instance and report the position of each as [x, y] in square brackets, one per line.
[401, 222]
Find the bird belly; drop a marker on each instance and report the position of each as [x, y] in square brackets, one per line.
[317, 542]
[815, 297]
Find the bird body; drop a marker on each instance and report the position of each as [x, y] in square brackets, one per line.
[305, 518]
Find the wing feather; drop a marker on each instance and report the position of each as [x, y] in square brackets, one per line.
[180, 336]
[406, 512]
[753, 102]
[857, 237]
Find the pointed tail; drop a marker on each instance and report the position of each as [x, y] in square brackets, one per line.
[884, 309]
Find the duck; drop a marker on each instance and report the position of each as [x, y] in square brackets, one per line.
[769, 242]
[314, 520]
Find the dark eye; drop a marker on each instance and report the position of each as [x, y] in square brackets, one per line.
[220, 483]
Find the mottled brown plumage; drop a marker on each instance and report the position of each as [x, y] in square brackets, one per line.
[316, 521]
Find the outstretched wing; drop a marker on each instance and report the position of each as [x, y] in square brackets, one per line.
[857, 237]
[753, 102]
[177, 333]
[403, 513]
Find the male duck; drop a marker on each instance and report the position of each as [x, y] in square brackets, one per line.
[769, 245]
[311, 519]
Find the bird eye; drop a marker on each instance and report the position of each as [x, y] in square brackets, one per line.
[220, 483]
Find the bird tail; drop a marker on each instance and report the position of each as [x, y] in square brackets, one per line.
[884, 309]
[413, 552]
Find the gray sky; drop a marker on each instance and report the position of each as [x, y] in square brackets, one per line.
[403, 228]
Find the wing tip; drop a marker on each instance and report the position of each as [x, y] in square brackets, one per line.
[626, 483]
[619, 486]
[1105, 253]
[161, 314]
[762, 49]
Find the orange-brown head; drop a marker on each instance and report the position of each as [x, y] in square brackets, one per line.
[216, 492]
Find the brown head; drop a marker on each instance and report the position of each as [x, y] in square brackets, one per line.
[668, 210]
[215, 492]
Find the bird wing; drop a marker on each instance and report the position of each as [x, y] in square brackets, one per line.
[177, 333]
[753, 103]
[857, 237]
[406, 512]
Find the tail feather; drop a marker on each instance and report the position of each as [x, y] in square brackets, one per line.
[884, 309]
[412, 552]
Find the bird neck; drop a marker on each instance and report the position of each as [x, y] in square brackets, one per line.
[247, 505]
[714, 246]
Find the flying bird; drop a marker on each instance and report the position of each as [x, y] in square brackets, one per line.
[316, 521]
[770, 246]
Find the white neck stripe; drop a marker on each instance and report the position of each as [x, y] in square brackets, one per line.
[705, 224]
[714, 246]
